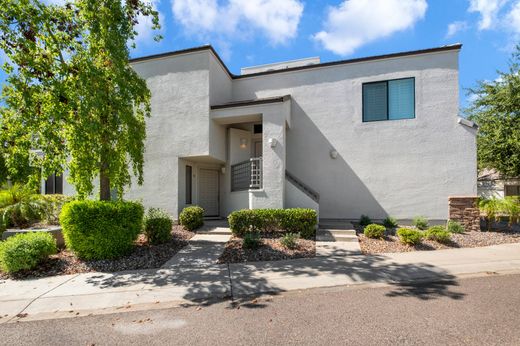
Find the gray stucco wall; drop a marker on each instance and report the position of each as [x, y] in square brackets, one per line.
[401, 168]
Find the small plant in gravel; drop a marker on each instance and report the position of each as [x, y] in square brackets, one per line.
[192, 217]
[455, 227]
[290, 240]
[158, 226]
[251, 240]
[364, 220]
[25, 251]
[390, 222]
[438, 234]
[420, 222]
[374, 231]
[409, 236]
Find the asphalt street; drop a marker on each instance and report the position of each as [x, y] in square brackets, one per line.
[472, 311]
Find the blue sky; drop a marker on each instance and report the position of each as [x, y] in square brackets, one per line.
[252, 32]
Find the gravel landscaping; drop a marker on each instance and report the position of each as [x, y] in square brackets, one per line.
[143, 256]
[391, 243]
[269, 250]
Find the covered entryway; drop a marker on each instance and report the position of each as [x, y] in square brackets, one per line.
[209, 191]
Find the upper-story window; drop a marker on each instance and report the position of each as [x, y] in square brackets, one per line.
[389, 100]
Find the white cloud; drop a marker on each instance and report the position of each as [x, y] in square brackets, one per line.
[145, 33]
[456, 27]
[513, 19]
[277, 19]
[488, 10]
[357, 22]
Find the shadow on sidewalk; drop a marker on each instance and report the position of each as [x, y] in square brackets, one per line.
[206, 284]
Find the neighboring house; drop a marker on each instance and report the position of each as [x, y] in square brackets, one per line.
[376, 136]
[491, 184]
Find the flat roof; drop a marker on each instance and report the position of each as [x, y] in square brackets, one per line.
[456, 46]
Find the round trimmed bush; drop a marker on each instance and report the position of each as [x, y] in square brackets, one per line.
[364, 220]
[455, 227]
[101, 229]
[439, 234]
[420, 222]
[158, 226]
[192, 217]
[25, 251]
[374, 231]
[409, 236]
[390, 222]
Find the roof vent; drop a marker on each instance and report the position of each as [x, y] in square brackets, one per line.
[280, 65]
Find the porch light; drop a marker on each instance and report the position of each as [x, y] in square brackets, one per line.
[243, 143]
[333, 154]
[272, 142]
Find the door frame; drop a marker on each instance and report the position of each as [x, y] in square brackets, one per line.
[218, 188]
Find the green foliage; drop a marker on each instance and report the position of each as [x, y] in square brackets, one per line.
[420, 222]
[495, 110]
[101, 229]
[364, 220]
[158, 226]
[52, 207]
[192, 217]
[295, 220]
[439, 234]
[491, 207]
[25, 251]
[455, 227]
[390, 222]
[20, 207]
[290, 240]
[374, 231]
[511, 207]
[71, 93]
[409, 236]
[251, 240]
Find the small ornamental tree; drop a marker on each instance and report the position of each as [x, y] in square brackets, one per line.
[496, 110]
[71, 93]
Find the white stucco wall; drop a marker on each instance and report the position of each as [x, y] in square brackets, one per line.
[401, 168]
[295, 198]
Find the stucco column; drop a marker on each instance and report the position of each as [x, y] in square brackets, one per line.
[273, 173]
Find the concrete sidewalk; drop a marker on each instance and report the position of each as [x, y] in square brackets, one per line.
[195, 284]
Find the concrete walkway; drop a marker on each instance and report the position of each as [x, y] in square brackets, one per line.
[195, 283]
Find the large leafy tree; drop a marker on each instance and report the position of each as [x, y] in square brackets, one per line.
[496, 109]
[71, 93]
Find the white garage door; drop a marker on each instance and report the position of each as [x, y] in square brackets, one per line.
[208, 191]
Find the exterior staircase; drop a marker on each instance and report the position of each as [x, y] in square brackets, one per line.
[336, 231]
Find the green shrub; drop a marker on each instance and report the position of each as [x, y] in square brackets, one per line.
[290, 240]
[420, 222]
[25, 251]
[439, 234]
[158, 226]
[192, 217]
[409, 236]
[296, 220]
[101, 229]
[374, 231]
[251, 240]
[52, 207]
[455, 227]
[390, 222]
[20, 207]
[364, 220]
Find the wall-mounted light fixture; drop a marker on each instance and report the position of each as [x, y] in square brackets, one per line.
[223, 169]
[243, 143]
[272, 142]
[333, 154]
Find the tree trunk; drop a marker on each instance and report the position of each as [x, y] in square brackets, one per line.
[104, 180]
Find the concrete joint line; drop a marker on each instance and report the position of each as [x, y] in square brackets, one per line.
[41, 295]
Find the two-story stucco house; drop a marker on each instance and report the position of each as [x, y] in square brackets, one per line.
[377, 136]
